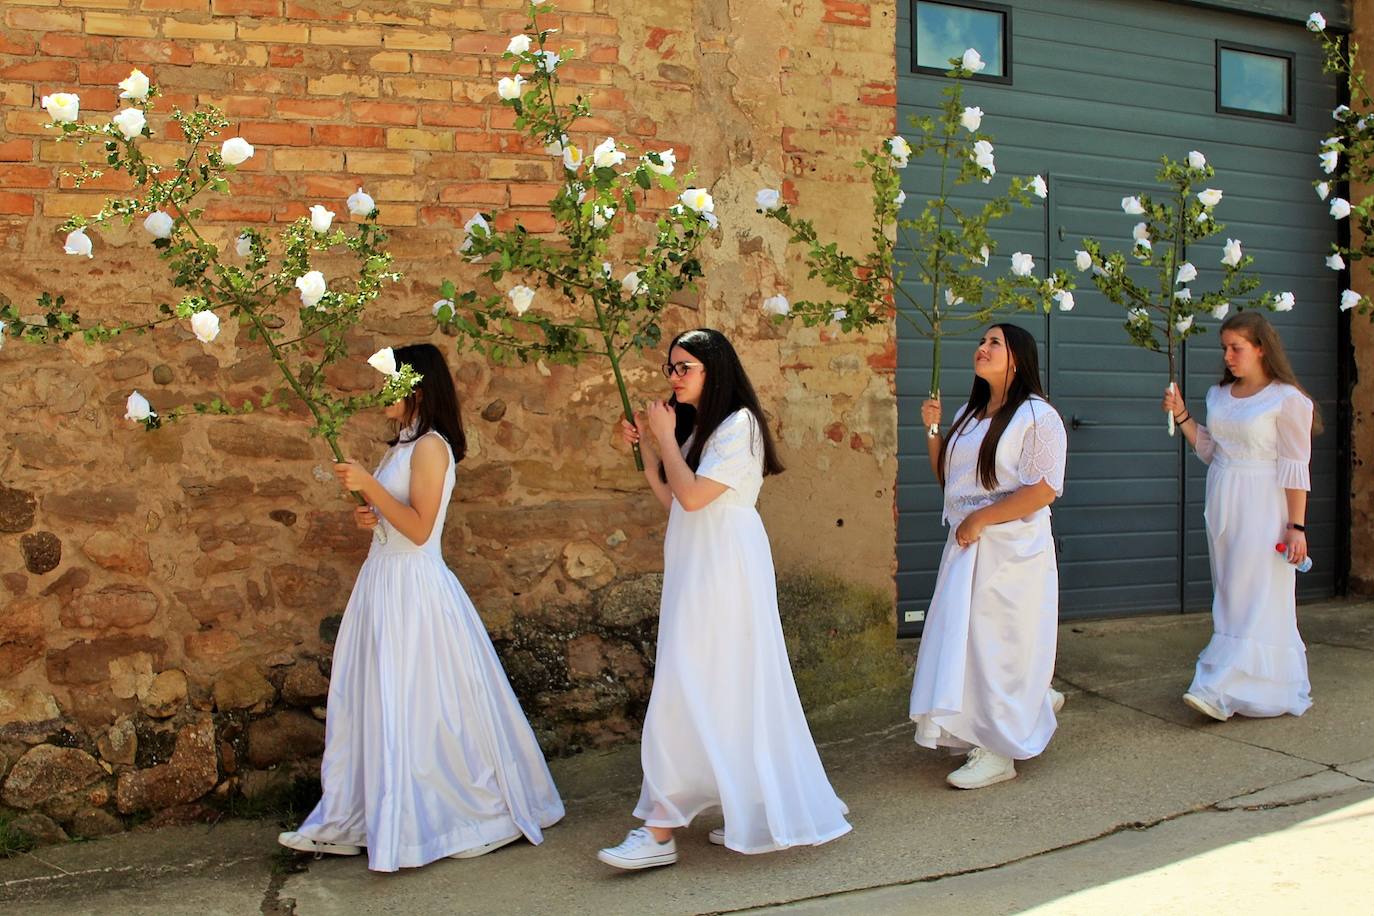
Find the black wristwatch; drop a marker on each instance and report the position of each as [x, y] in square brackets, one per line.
[1296, 527]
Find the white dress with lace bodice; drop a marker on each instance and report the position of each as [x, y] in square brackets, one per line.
[427, 752]
[986, 659]
[1256, 448]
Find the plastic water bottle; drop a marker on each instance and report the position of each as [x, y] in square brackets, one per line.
[1304, 566]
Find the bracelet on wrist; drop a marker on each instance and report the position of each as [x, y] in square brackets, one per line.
[1184, 419]
[1295, 526]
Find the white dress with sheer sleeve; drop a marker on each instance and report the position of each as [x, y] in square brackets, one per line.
[987, 653]
[725, 728]
[1255, 447]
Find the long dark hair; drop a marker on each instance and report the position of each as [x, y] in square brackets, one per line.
[1023, 371]
[433, 405]
[725, 389]
[1255, 328]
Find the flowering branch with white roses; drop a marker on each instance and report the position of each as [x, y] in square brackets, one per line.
[1347, 156]
[946, 249]
[589, 310]
[1161, 319]
[302, 341]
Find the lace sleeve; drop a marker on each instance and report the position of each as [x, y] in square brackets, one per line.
[1295, 442]
[1205, 446]
[731, 456]
[1044, 449]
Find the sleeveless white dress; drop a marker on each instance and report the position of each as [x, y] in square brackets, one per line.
[987, 653]
[1255, 448]
[725, 727]
[427, 752]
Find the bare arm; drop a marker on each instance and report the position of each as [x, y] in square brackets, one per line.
[930, 416]
[428, 467]
[691, 491]
[649, 452]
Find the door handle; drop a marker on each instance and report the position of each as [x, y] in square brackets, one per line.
[1078, 422]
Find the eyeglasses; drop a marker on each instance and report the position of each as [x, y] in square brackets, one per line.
[679, 369]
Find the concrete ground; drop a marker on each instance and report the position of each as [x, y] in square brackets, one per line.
[1139, 805]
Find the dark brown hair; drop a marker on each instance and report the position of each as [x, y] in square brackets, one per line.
[433, 405]
[1255, 328]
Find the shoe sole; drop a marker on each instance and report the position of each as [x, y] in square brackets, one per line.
[1207, 709]
[635, 864]
[308, 845]
[1058, 705]
[716, 839]
[991, 781]
[483, 850]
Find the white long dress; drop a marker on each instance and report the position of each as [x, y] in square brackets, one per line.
[427, 751]
[725, 727]
[1256, 447]
[987, 653]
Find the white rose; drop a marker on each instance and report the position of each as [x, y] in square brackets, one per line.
[983, 158]
[1186, 273]
[1202, 217]
[899, 199]
[243, 245]
[1183, 324]
[312, 287]
[1323, 189]
[899, 151]
[602, 214]
[839, 315]
[1082, 260]
[776, 305]
[1138, 316]
[1316, 22]
[384, 361]
[1065, 300]
[1039, 187]
[510, 88]
[1184, 295]
[138, 408]
[1349, 299]
[1132, 206]
[129, 122]
[236, 151]
[547, 60]
[1219, 312]
[1140, 232]
[1196, 160]
[698, 199]
[606, 269]
[78, 243]
[521, 298]
[971, 119]
[555, 147]
[711, 220]
[360, 203]
[606, 156]
[1143, 247]
[1232, 254]
[1328, 159]
[135, 86]
[62, 107]
[1022, 264]
[159, 224]
[440, 305]
[631, 284]
[1336, 262]
[205, 325]
[952, 300]
[669, 159]
[972, 61]
[320, 218]
[572, 157]
[768, 200]
[983, 255]
[1331, 143]
[1284, 302]
[1210, 197]
[1340, 207]
[2, 334]
[477, 225]
[520, 44]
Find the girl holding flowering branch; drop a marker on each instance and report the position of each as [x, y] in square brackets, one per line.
[983, 672]
[1257, 444]
[427, 752]
[725, 727]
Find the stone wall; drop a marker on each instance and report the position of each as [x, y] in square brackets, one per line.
[169, 598]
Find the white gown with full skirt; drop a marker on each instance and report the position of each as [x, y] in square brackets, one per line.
[987, 652]
[725, 727]
[427, 752]
[1255, 448]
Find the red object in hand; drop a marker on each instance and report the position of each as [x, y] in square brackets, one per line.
[1281, 548]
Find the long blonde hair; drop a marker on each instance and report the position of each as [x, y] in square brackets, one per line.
[1254, 327]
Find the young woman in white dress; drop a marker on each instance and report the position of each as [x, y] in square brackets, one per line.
[724, 728]
[983, 670]
[427, 753]
[1257, 444]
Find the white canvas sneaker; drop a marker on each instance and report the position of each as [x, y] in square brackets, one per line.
[640, 850]
[1202, 706]
[1056, 700]
[485, 848]
[717, 836]
[293, 840]
[983, 768]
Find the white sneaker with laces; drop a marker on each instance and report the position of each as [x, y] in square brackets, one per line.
[1056, 700]
[717, 836]
[640, 850]
[293, 840]
[1202, 706]
[485, 848]
[982, 768]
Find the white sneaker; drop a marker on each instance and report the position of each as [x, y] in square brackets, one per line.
[485, 848]
[1202, 706]
[640, 850]
[293, 840]
[717, 836]
[1056, 700]
[983, 768]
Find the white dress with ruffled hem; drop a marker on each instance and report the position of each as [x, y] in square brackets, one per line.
[987, 652]
[725, 728]
[1256, 448]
